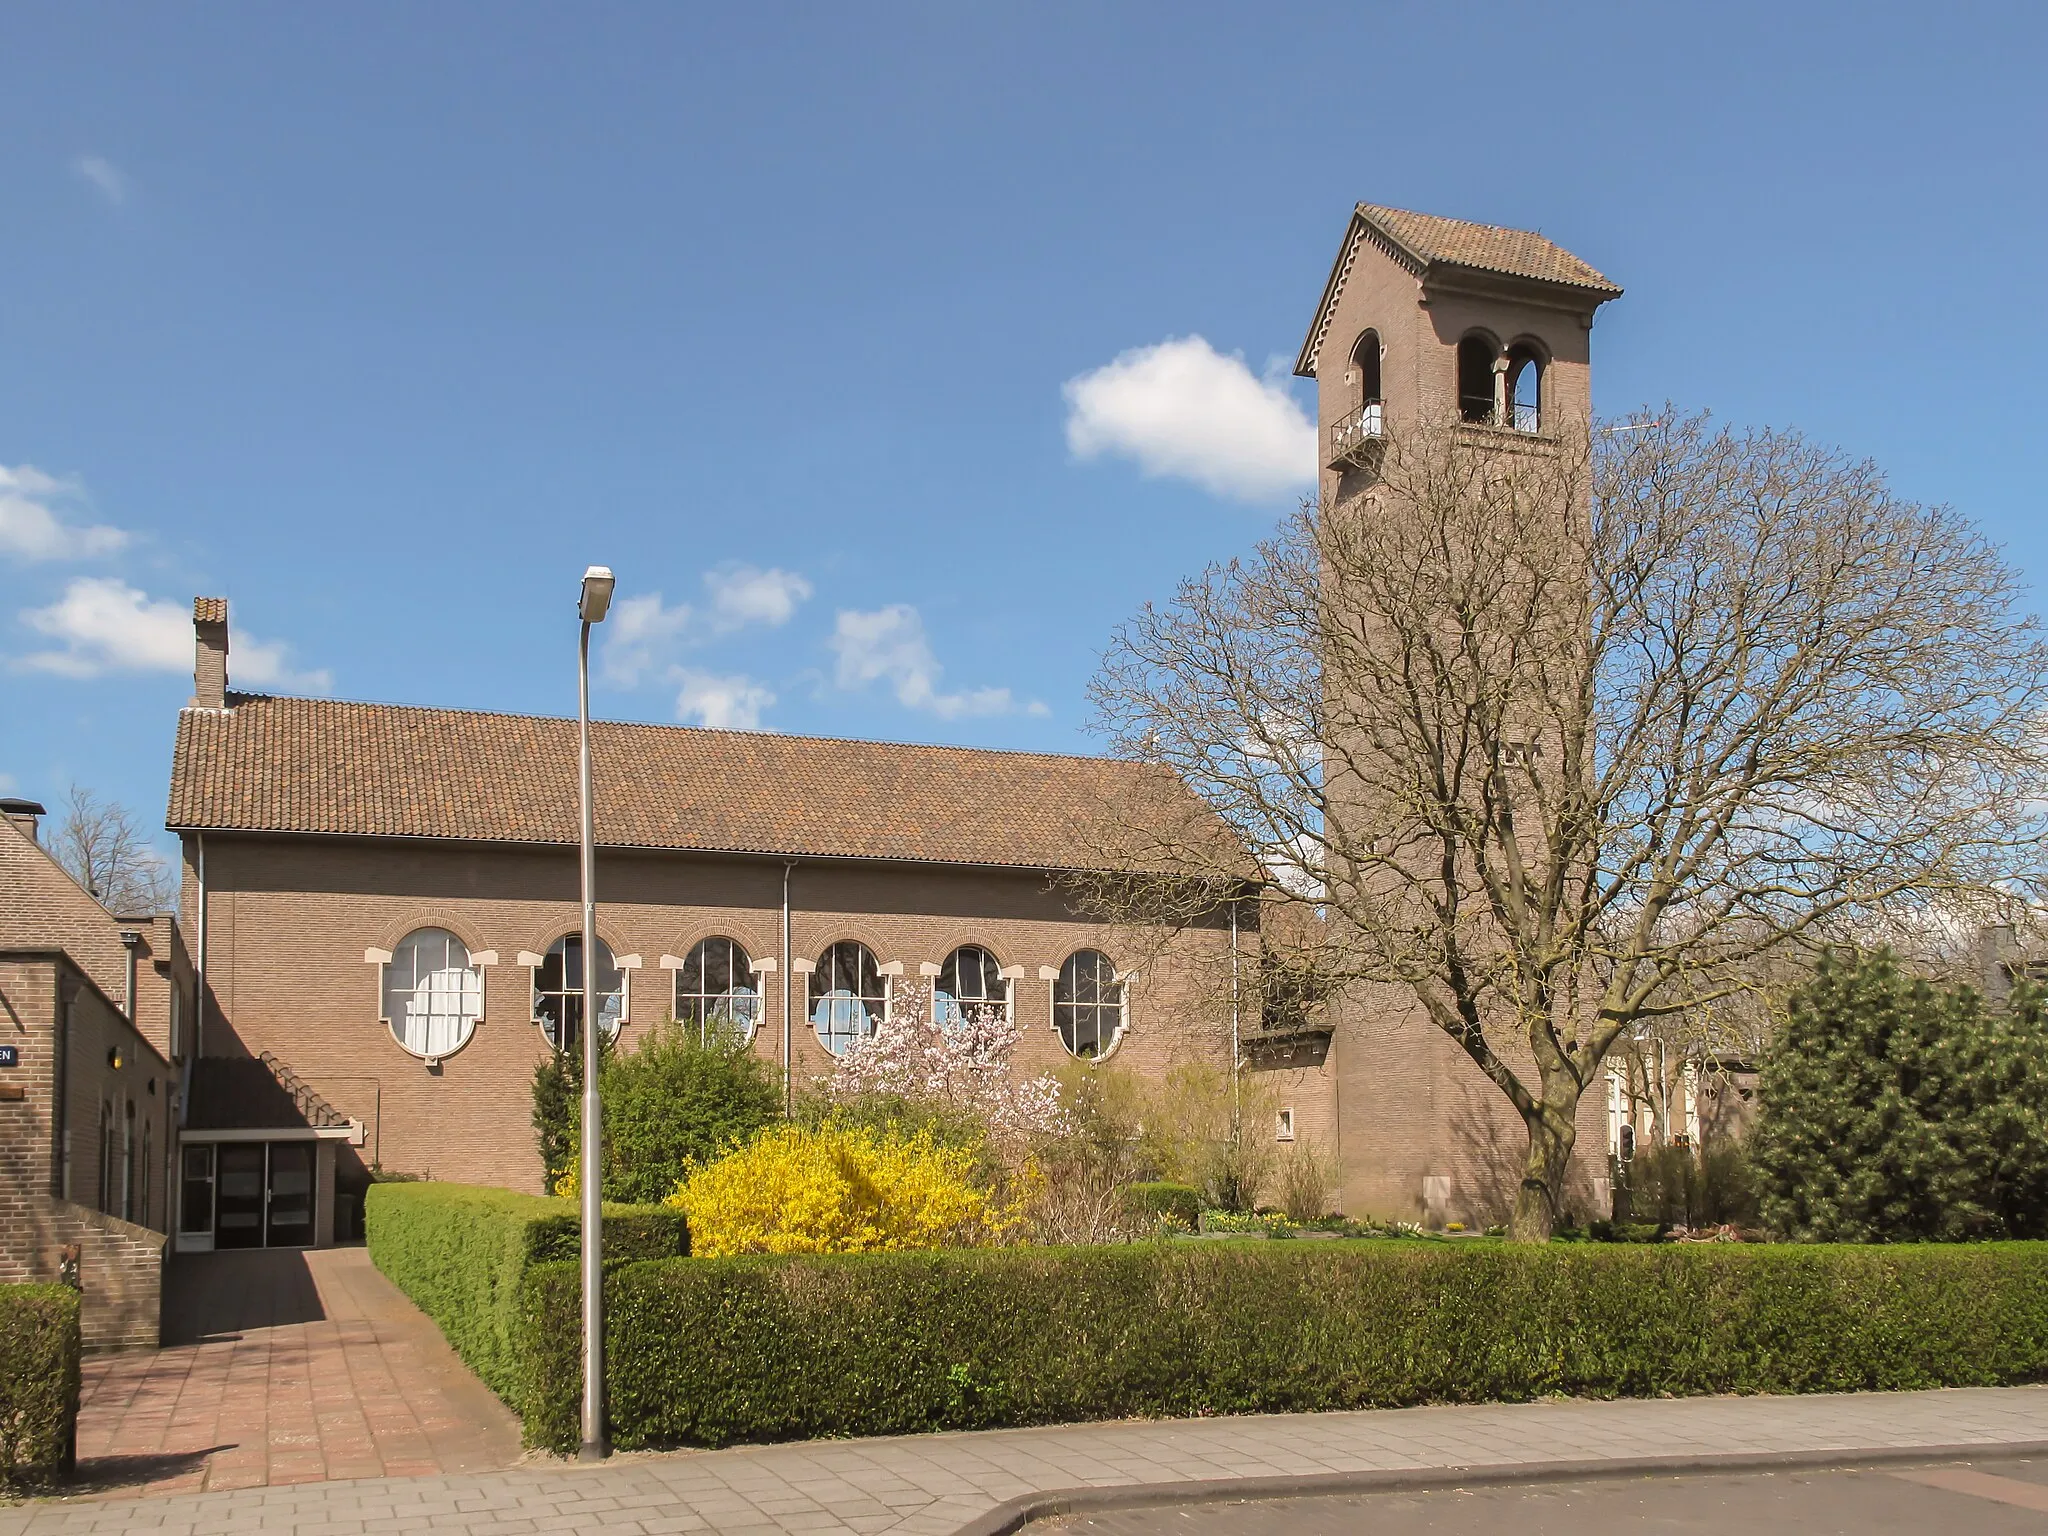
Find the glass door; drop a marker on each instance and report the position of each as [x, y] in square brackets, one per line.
[290, 1223]
[238, 1195]
[195, 1199]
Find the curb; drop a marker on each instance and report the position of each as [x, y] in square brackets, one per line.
[1012, 1515]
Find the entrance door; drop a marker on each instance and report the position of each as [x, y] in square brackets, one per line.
[195, 1199]
[290, 1222]
[239, 1196]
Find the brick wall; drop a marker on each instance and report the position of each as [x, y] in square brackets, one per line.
[65, 1030]
[289, 920]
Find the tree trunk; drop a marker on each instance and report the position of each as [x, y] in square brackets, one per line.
[1553, 1129]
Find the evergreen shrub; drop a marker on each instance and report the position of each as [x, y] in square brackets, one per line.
[714, 1351]
[39, 1352]
[1892, 1109]
[460, 1252]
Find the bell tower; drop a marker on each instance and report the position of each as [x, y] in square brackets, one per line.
[1436, 321]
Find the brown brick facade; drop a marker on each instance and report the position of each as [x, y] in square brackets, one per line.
[289, 920]
[88, 1124]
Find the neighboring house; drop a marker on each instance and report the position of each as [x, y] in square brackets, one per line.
[93, 1007]
[387, 899]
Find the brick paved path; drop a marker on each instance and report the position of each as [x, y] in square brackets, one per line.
[935, 1485]
[293, 1367]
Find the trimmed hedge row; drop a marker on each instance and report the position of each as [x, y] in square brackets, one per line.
[719, 1350]
[460, 1252]
[39, 1351]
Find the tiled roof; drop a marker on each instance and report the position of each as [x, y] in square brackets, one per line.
[1487, 247]
[385, 770]
[1426, 243]
[41, 905]
[209, 610]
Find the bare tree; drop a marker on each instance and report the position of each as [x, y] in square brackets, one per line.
[1563, 741]
[103, 846]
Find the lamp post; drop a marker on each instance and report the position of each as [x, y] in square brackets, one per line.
[597, 597]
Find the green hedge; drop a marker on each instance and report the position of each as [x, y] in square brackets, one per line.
[720, 1350]
[39, 1349]
[460, 1251]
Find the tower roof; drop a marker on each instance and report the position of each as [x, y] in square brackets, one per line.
[1428, 244]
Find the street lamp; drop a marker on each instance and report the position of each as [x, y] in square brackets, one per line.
[597, 597]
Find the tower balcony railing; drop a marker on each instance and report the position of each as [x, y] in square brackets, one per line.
[1358, 439]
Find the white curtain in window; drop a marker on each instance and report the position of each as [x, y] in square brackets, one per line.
[432, 995]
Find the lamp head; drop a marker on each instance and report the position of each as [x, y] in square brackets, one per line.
[598, 582]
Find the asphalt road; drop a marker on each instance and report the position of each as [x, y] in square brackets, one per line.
[1983, 1497]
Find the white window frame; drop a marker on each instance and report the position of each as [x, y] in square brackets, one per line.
[625, 965]
[478, 959]
[765, 966]
[1125, 980]
[1009, 974]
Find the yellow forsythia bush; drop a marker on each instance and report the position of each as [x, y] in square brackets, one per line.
[836, 1189]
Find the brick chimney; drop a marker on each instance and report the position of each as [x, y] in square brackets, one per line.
[25, 814]
[210, 652]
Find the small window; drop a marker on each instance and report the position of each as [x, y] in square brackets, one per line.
[970, 985]
[849, 996]
[717, 985]
[1088, 1004]
[1525, 388]
[433, 996]
[1475, 379]
[1286, 1127]
[558, 992]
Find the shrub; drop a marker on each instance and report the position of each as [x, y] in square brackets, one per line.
[39, 1350]
[836, 1189]
[683, 1096]
[460, 1250]
[1179, 1203]
[1687, 1187]
[1895, 1110]
[719, 1350]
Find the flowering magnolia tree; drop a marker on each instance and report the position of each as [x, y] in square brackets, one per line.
[961, 1062]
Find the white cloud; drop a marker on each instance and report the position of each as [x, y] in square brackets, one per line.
[108, 626]
[729, 703]
[31, 528]
[643, 634]
[637, 635]
[105, 176]
[889, 645]
[254, 663]
[745, 594]
[1182, 409]
[105, 625]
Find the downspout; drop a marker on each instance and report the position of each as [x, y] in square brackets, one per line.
[61, 1173]
[199, 1010]
[788, 1095]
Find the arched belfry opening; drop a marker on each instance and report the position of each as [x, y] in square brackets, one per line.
[1475, 378]
[1365, 368]
[1525, 387]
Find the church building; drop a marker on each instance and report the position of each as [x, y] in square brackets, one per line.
[383, 900]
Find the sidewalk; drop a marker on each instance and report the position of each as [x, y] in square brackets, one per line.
[937, 1485]
[286, 1366]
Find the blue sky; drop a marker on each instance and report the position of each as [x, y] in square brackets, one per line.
[384, 320]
